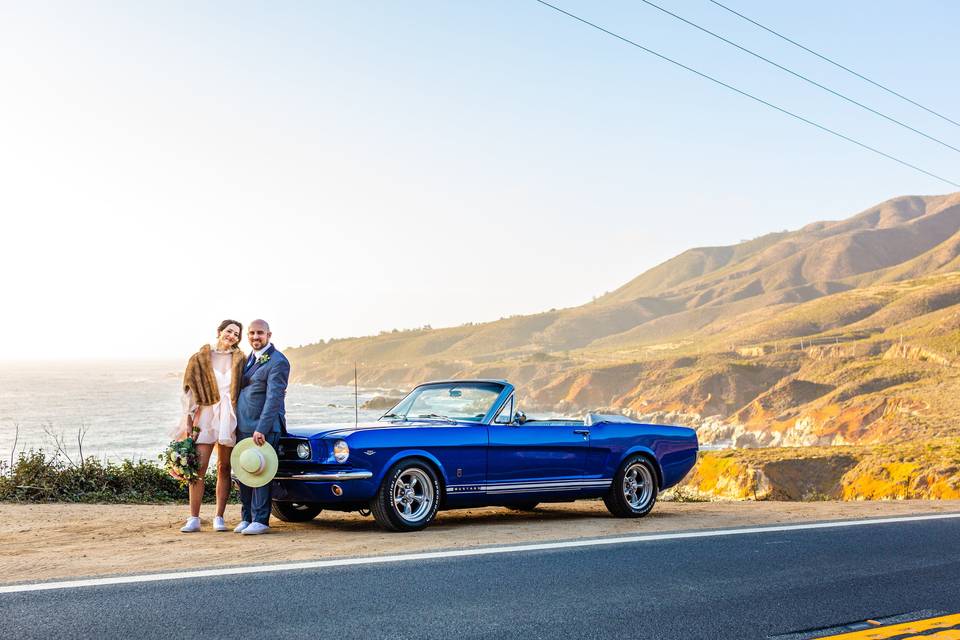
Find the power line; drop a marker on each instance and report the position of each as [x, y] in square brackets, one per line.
[749, 95]
[835, 63]
[799, 75]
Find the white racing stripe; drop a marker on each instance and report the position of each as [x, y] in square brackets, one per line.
[546, 485]
[490, 490]
[459, 553]
[572, 483]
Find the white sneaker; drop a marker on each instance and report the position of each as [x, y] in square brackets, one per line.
[240, 527]
[255, 528]
[193, 524]
[218, 524]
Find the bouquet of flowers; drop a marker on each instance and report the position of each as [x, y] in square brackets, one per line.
[181, 459]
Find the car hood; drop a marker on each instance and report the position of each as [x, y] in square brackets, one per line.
[344, 430]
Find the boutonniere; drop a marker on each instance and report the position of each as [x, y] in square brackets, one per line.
[264, 358]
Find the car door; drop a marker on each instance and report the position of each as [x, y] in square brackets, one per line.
[534, 457]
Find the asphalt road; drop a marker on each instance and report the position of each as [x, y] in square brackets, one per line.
[742, 586]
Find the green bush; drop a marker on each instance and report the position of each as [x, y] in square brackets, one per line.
[38, 477]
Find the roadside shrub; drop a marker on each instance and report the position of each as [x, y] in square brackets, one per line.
[682, 493]
[38, 477]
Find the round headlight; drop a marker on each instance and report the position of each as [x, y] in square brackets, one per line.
[341, 451]
[303, 450]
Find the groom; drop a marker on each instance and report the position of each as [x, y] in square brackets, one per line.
[261, 416]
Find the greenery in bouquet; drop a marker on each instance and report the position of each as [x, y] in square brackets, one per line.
[182, 461]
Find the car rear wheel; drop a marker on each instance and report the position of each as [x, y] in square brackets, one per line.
[408, 498]
[634, 489]
[295, 511]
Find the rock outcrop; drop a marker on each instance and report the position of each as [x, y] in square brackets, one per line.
[922, 471]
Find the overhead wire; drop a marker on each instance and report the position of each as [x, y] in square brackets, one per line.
[835, 63]
[749, 95]
[799, 75]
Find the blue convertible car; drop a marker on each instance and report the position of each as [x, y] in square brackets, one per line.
[465, 443]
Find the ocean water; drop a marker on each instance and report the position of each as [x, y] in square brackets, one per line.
[127, 408]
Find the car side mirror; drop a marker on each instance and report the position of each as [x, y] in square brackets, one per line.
[519, 417]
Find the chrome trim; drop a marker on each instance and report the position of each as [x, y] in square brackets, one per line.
[503, 405]
[328, 477]
[488, 419]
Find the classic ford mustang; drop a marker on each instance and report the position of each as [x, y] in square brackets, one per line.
[465, 443]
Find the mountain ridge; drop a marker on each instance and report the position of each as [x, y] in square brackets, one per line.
[705, 334]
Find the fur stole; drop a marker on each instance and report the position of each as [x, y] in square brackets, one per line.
[200, 379]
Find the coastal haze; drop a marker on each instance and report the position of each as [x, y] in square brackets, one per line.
[127, 408]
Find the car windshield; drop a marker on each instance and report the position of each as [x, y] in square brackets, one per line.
[454, 401]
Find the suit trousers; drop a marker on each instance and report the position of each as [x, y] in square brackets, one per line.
[255, 501]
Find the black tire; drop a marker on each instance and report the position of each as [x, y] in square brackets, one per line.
[408, 497]
[633, 499]
[295, 511]
[523, 506]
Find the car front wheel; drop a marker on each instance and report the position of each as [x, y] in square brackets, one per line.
[295, 511]
[408, 498]
[634, 489]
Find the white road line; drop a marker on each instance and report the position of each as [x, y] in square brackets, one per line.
[433, 555]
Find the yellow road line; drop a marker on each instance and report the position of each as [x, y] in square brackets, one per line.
[945, 627]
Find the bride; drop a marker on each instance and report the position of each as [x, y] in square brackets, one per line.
[211, 384]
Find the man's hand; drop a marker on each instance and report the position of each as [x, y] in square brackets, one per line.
[258, 438]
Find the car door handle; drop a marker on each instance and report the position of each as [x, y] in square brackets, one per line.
[583, 432]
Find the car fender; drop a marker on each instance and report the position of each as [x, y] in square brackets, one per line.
[649, 453]
[413, 453]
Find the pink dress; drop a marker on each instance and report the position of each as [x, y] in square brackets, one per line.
[218, 422]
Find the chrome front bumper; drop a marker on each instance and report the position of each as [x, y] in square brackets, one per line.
[334, 476]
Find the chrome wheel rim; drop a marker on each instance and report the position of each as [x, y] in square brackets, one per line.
[413, 495]
[637, 486]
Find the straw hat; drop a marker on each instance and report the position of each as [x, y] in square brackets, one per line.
[252, 465]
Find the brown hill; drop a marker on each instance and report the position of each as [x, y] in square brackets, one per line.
[884, 236]
[839, 332]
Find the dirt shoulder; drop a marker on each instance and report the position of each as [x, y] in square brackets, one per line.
[51, 541]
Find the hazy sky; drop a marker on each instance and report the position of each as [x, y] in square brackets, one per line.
[345, 167]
